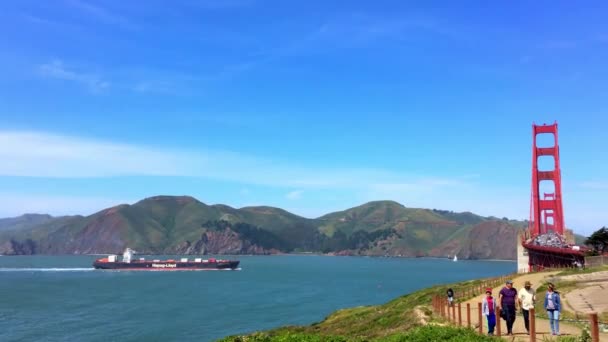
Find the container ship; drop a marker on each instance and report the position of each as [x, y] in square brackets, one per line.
[128, 263]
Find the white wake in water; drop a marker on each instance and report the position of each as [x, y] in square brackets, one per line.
[54, 269]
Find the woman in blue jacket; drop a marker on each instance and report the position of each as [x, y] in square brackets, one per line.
[553, 307]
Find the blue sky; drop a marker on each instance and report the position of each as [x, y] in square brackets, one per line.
[312, 106]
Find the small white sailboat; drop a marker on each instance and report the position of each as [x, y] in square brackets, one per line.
[455, 258]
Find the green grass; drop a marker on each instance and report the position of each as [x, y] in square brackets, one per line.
[397, 320]
[420, 334]
[572, 271]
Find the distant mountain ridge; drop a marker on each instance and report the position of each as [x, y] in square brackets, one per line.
[184, 225]
[24, 220]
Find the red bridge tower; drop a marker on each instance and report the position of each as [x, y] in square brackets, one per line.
[546, 211]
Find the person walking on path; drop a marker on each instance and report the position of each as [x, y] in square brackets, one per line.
[553, 307]
[489, 309]
[450, 294]
[507, 298]
[526, 299]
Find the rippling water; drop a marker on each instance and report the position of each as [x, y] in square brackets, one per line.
[61, 298]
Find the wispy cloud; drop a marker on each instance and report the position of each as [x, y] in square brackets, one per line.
[135, 80]
[559, 44]
[595, 185]
[160, 81]
[220, 4]
[360, 28]
[347, 31]
[23, 153]
[154, 87]
[294, 195]
[102, 14]
[38, 20]
[56, 69]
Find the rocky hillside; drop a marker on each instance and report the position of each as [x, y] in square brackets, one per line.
[184, 225]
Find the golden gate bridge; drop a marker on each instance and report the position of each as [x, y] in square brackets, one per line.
[546, 243]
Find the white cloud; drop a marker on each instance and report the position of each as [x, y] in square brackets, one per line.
[57, 70]
[44, 155]
[36, 154]
[294, 195]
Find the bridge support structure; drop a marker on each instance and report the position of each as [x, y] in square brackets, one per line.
[545, 244]
[546, 209]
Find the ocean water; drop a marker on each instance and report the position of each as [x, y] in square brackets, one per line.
[61, 298]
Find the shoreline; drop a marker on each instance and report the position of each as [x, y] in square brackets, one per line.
[268, 255]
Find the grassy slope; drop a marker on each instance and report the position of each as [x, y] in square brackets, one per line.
[418, 334]
[397, 320]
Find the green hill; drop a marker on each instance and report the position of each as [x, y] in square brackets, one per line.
[183, 224]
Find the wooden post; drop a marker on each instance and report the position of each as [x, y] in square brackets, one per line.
[479, 316]
[595, 329]
[532, 325]
[438, 299]
[498, 321]
[459, 315]
[436, 304]
[442, 310]
[469, 315]
[453, 313]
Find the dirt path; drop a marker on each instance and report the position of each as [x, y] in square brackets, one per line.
[543, 331]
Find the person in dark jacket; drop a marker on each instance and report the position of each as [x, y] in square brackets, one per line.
[450, 294]
[508, 302]
[553, 306]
